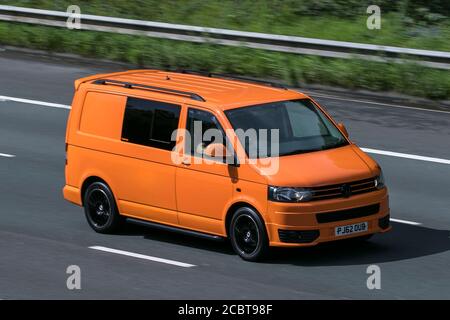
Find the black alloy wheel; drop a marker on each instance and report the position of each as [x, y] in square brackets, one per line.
[248, 235]
[100, 208]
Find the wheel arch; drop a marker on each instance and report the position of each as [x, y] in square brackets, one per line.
[234, 207]
[87, 182]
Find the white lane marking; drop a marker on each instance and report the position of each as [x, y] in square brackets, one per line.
[7, 155]
[387, 153]
[142, 256]
[319, 95]
[406, 222]
[406, 155]
[35, 102]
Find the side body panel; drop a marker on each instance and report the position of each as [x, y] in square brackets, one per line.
[142, 178]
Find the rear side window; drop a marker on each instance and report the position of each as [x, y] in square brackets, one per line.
[150, 123]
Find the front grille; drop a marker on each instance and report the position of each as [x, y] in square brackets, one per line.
[383, 223]
[296, 236]
[343, 190]
[348, 214]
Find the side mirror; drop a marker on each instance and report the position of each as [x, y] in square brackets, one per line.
[215, 150]
[219, 152]
[343, 129]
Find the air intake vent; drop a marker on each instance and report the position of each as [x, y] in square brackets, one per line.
[295, 236]
[348, 214]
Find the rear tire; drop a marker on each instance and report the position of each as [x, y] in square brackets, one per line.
[248, 235]
[100, 208]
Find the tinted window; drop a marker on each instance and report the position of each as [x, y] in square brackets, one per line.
[150, 123]
[301, 126]
[198, 123]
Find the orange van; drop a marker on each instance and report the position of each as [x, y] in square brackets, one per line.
[218, 157]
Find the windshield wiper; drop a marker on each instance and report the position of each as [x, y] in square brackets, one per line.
[335, 145]
[331, 146]
[298, 152]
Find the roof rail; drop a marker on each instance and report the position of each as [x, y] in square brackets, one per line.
[129, 85]
[230, 76]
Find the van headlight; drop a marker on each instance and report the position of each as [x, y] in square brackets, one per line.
[379, 181]
[286, 194]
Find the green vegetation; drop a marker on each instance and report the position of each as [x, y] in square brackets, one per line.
[406, 23]
[293, 69]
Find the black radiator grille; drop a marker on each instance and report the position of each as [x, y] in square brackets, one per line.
[343, 190]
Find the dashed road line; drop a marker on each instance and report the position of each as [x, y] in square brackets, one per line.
[35, 102]
[7, 155]
[144, 257]
[406, 155]
[406, 222]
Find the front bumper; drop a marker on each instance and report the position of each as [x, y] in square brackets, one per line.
[288, 221]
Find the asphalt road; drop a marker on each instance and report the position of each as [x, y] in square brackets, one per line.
[41, 234]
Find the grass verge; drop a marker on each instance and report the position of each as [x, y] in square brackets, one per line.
[324, 19]
[296, 70]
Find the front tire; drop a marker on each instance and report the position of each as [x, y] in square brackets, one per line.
[248, 235]
[100, 208]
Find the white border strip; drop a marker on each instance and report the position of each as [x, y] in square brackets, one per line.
[406, 155]
[141, 256]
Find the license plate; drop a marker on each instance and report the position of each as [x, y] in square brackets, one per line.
[351, 228]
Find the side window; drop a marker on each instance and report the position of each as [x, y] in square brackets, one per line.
[150, 123]
[204, 129]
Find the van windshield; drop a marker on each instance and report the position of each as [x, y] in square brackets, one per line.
[301, 127]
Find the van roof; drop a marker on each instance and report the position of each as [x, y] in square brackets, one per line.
[220, 92]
